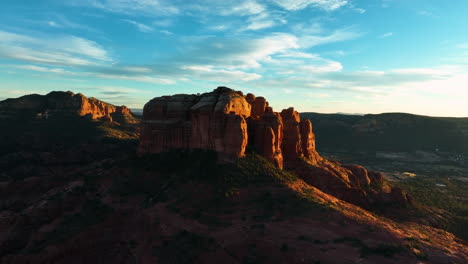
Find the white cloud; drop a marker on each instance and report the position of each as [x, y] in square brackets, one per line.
[12, 38]
[140, 7]
[427, 13]
[298, 54]
[386, 35]
[116, 89]
[42, 69]
[61, 22]
[337, 36]
[138, 78]
[136, 69]
[54, 24]
[141, 27]
[328, 66]
[219, 27]
[236, 53]
[244, 8]
[307, 29]
[260, 22]
[63, 50]
[208, 73]
[360, 10]
[47, 57]
[80, 46]
[166, 32]
[163, 22]
[398, 90]
[294, 5]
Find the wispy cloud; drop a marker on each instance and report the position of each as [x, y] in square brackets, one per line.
[386, 35]
[42, 69]
[61, 50]
[62, 22]
[244, 8]
[163, 22]
[140, 26]
[137, 78]
[261, 21]
[294, 5]
[360, 10]
[221, 75]
[338, 35]
[141, 7]
[236, 53]
[427, 13]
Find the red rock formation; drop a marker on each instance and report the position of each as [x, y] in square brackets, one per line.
[63, 103]
[226, 121]
[259, 106]
[291, 144]
[308, 142]
[266, 135]
[214, 121]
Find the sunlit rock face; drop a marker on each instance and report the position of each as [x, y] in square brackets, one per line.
[63, 103]
[228, 122]
[213, 121]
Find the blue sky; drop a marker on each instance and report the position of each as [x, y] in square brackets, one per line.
[354, 56]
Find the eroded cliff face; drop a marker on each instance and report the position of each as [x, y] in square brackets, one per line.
[62, 103]
[214, 121]
[227, 122]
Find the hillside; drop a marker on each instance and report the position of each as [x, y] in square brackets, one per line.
[74, 190]
[390, 132]
[432, 149]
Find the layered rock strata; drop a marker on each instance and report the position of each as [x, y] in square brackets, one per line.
[227, 122]
[214, 121]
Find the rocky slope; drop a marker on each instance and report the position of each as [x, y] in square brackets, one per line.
[73, 190]
[228, 122]
[61, 103]
[184, 208]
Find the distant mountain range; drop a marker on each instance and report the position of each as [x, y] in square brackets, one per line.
[389, 131]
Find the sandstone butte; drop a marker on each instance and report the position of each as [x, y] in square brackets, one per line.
[226, 122]
[63, 103]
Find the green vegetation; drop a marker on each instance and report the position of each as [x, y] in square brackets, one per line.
[60, 131]
[452, 197]
[432, 147]
[28, 143]
[163, 177]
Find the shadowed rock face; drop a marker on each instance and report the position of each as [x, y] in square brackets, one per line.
[62, 103]
[227, 122]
